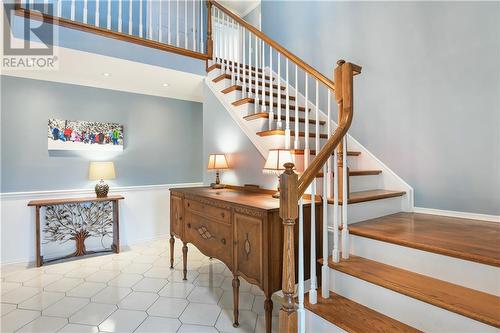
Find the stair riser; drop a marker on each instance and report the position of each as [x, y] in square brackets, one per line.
[408, 310]
[249, 108]
[371, 209]
[238, 94]
[465, 273]
[299, 162]
[262, 124]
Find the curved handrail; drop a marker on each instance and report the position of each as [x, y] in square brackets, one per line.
[345, 122]
[307, 68]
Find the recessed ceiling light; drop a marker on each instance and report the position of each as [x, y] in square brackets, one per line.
[165, 84]
[106, 74]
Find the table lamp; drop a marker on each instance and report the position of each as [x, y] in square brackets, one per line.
[217, 162]
[276, 158]
[101, 171]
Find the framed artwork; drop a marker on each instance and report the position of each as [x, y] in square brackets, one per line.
[84, 135]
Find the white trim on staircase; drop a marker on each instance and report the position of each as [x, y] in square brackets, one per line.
[463, 215]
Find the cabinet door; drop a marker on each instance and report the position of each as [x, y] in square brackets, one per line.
[176, 215]
[248, 233]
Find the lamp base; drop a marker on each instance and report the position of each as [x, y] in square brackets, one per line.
[101, 189]
[216, 186]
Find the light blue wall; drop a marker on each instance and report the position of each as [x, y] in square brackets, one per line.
[427, 102]
[254, 16]
[163, 136]
[221, 134]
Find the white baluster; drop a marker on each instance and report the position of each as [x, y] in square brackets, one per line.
[256, 102]
[97, 13]
[335, 251]
[140, 20]
[186, 46]
[202, 46]
[316, 125]
[108, 16]
[306, 120]
[194, 25]
[271, 89]
[287, 106]
[46, 6]
[244, 92]
[345, 228]
[59, 8]
[329, 132]
[159, 22]
[313, 293]
[150, 19]
[325, 290]
[279, 124]
[169, 21]
[85, 11]
[300, 289]
[263, 64]
[249, 64]
[120, 22]
[73, 9]
[130, 11]
[296, 141]
[177, 24]
[234, 68]
[236, 34]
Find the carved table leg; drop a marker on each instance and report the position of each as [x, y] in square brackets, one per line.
[184, 260]
[172, 243]
[236, 300]
[268, 307]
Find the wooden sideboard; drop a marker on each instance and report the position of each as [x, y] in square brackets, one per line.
[242, 228]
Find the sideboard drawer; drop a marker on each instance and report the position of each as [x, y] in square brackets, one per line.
[212, 238]
[249, 256]
[221, 214]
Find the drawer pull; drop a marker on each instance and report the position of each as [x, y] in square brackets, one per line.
[223, 241]
[189, 225]
[222, 214]
[189, 205]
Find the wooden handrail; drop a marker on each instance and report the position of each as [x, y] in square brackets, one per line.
[347, 114]
[39, 16]
[299, 62]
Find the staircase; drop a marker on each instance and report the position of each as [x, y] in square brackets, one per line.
[383, 268]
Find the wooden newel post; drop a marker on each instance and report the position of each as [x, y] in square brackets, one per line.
[210, 42]
[288, 213]
[338, 79]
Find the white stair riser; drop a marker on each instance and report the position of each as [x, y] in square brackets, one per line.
[410, 311]
[251, 107]
[371, 209]
[462, 272]
[262, 124]
[299, 160]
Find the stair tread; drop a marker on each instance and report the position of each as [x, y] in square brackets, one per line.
[251, 100]
[218, 66]
[266, 92]
[354, 317]
[466, 239]
[370, 195]
[259, 115]
[358, 172]
[313, 152]
[239, 64]
[239, 87]
[292, 133]
[471, 303]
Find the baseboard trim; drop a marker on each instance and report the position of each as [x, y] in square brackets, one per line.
[31, 194]
[463, 215]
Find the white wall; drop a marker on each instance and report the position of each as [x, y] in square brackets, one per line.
[144, 215]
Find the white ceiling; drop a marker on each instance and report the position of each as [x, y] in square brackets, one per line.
[240, 7]
[86, 69]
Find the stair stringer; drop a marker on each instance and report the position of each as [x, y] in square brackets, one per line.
[388, 179]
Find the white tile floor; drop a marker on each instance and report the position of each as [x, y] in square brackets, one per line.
[134, 291]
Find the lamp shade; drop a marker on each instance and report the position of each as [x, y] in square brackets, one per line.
[276, 158]
[217, 162]
[101, 170]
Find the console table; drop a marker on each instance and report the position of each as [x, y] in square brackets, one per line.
[241, 228]
[78, 233]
